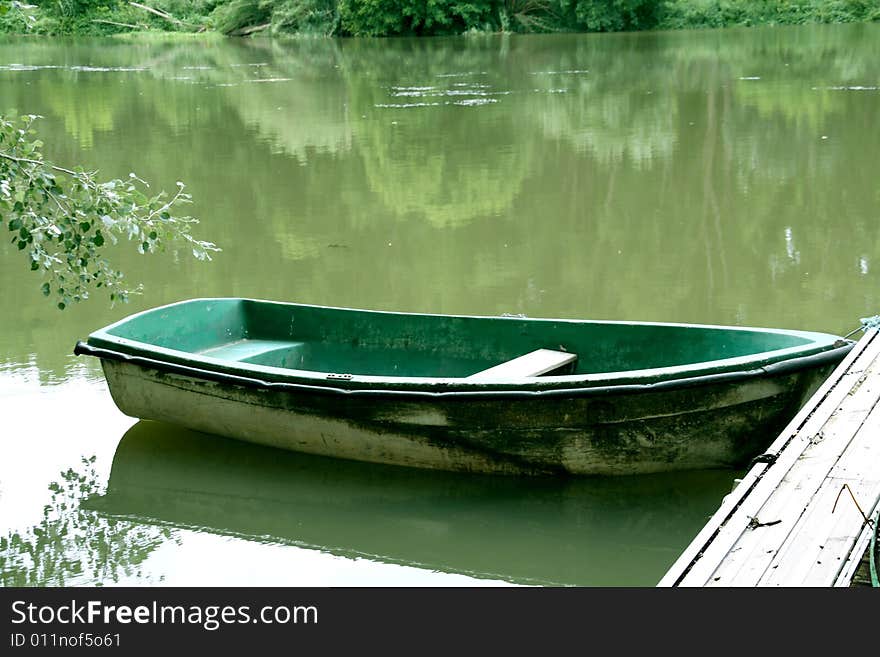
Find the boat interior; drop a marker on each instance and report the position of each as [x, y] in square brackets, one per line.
[398, 344]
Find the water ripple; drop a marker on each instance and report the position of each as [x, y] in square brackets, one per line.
[461, 75]
[80, 69]
[572, 71]
[846, 88]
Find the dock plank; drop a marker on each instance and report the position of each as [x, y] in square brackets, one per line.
[771, 520]
[857, 573]
[822, 544]
[815, 552]
[785, 506]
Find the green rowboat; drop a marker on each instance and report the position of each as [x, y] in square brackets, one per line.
[481, 394]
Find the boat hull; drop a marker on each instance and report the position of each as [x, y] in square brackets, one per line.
[708, 423]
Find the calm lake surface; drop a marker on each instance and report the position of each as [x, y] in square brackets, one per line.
[724, 177]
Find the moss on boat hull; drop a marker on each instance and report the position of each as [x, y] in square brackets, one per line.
[723, 422]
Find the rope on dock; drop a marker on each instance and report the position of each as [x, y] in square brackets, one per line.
[865, 323]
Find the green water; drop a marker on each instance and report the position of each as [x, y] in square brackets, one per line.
[724, 177]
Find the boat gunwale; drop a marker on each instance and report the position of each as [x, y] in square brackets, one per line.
[483, 391]
[818, 343]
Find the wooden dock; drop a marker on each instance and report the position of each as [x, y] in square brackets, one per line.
[804, 513]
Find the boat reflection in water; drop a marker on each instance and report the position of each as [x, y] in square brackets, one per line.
[587, 531]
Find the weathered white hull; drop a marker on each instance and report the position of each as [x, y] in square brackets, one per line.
[718, 425]
[238, 413]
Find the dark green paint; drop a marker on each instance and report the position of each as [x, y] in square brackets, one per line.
[262, 338]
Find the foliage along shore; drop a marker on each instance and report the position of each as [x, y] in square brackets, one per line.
[415, 17]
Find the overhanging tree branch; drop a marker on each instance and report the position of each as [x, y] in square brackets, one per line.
[62, 218]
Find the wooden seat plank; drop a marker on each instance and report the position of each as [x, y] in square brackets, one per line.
[242, 349]
[532, 364]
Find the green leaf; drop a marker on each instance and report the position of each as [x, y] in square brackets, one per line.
[61, 305]
[34, 265]
[98, 239]
[84, 226]
[46, 289]
[15, 224]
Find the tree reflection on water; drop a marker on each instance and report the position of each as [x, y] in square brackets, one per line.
[73, 546]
